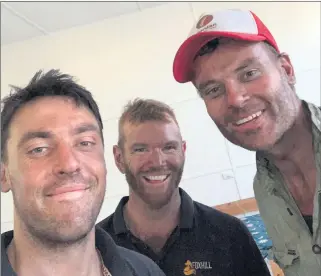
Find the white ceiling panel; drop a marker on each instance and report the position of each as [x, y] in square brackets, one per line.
[24, 20]
[55, 16]
[14, 28]
[146, 5]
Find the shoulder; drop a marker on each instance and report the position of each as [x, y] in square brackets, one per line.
[256, 182]
[139, 264]
[222, 228]
[215, 219]
[6, 269]
[115, 217]
[122, 261]
[261, 178]
[107, 223]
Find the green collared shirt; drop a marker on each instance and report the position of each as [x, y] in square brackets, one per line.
[295, 249]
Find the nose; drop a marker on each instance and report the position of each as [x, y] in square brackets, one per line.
[157, 158]
[236, 94]
[66, 161]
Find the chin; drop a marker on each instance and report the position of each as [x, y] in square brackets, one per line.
[253, 144]
[157, 201]
[264, 146]
[71, 237]
[63, 235]
[157, 204]
[68, 231]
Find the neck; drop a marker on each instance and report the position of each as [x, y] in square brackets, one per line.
[295, 148]
[146, 221]
[28, 256]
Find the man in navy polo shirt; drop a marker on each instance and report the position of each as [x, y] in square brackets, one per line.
[159, 219]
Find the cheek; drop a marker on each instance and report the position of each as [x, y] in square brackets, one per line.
[28, 173]
[95, 164]
[138, 164]
[24, 183]
[216, 110]
[176, 160]
[268, 86]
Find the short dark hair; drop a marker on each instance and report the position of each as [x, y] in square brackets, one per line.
[139, 111]
[52, 83]
[211, 46]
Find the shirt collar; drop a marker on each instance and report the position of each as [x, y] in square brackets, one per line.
[110, 254]
[315, 113]
[104, 243]
[265, 166]
[186, 214]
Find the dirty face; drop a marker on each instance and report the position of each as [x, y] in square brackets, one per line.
[152, 159]
[248, 92]
[55, 169]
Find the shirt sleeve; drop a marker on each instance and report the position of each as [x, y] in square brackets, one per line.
[248, 256]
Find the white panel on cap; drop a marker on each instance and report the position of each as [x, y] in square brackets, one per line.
[238, 21]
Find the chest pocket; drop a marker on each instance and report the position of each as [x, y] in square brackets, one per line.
[285, 235]
[285, 260]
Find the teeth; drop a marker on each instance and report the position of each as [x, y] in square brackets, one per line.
[249, 118]
[156, 177]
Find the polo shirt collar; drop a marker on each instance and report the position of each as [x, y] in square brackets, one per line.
[186, 214]
[104, 243]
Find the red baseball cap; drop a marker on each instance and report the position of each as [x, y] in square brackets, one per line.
[238, 24]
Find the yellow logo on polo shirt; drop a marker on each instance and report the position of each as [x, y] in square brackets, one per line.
[189, 270]
[192, 267]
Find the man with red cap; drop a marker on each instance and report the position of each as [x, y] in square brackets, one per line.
[248, 87]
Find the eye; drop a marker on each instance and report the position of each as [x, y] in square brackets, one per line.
[169, 148]
[38, 151]
[87, 143]
[213, 92]
[139, 150]
[250, 75]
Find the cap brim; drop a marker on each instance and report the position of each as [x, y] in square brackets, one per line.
[184, 58]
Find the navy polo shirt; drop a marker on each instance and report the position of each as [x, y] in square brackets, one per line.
[119, 261]
[206, 242]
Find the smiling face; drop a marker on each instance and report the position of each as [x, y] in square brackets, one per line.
[248, 92]
[152, 159]
[55, 169]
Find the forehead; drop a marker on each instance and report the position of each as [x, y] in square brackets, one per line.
[50, 114]
[229, 55]
[151, 132]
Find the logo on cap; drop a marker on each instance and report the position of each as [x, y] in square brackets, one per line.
[204, 21]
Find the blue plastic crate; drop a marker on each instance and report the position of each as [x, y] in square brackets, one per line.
[257, 228]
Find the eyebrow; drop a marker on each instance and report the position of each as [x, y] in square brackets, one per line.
[246, 63]
[136, 145]
[146, 145]
[172, 143]
[205, 84]
[30, 135]
[86, 128]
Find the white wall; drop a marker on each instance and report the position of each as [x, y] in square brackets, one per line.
[130, 56]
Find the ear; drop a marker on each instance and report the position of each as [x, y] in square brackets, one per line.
[184, 146]
[286, 64]
[5, 180]
[119, 158]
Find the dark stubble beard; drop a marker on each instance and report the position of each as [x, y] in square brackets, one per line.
[155, 202]
[283, 114]
[56, 234]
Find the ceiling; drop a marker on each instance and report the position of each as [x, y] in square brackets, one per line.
[25, 20]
